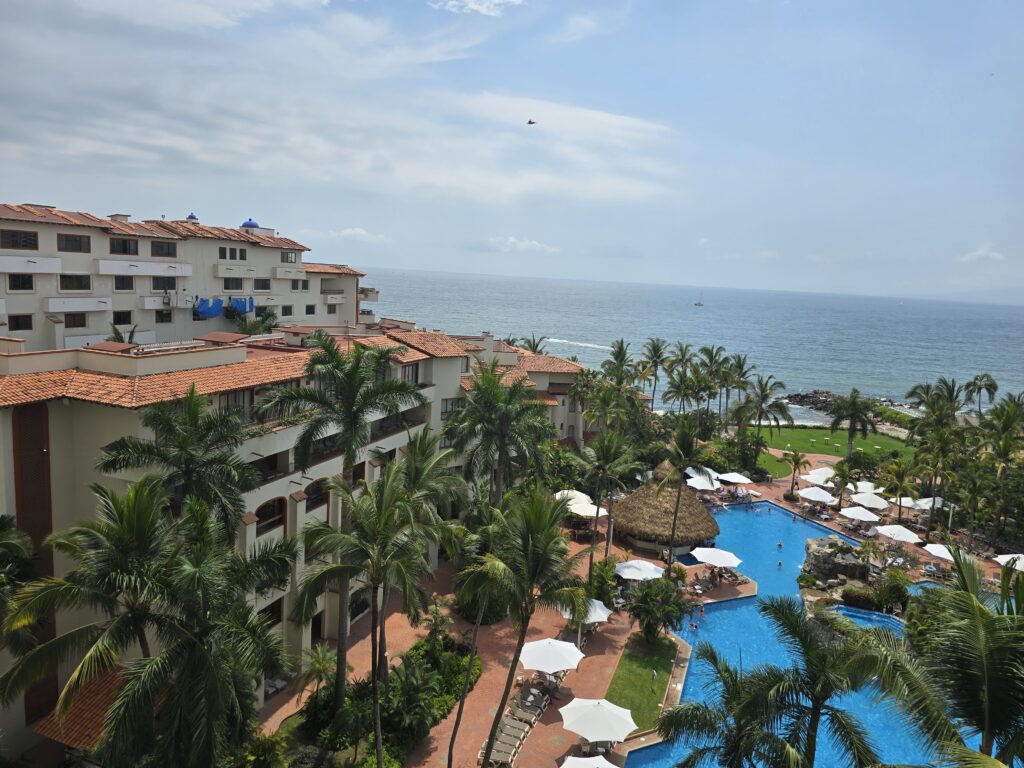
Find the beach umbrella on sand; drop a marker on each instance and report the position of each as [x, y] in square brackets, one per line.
[1017, 560]
[735, 477]
[869, 500]
[703, 484]
[587, 762]
[859, 513]
[597, 612]
[817, 494]
[898, 533]
[716, 556]
[574, 496]
[550, 655]
[597, 720]
[639, 570]
[941, 551]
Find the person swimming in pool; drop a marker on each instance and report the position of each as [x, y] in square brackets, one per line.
[779, 546]
[779, 565]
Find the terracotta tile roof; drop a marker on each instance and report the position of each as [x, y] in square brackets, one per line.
[111, 346]
[140, 391]
[469, 346]
[546, 397]
[407, 355]
[433, 343]
[82, 724]
[510, 375]
[559, 388]
[222, 337]
[548, 364]
[332, 269]
[503, 346]
[186, 229]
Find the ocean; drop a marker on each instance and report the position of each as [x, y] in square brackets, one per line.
[882, 346]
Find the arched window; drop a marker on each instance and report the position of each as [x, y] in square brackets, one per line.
[271, 515]
[316, 494]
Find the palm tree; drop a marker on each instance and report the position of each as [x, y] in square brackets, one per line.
[657, 358]
[682, 453]
[194, 447]
[805, 696]
[256, 325]
[982, 384]
[346, 390]
[120, 558]
[501, 429]
[898, 478]
[845, 475]
[618, 368]
[319, 666]
[120, 337]
[723, 730]
[534, 344]
[797, 462]
[540, 573]
[857, 412]
[762, 404]
[678, 388]
[712, 360]
[658, 604]
[607, 459]
[15, 564]
[738, 373]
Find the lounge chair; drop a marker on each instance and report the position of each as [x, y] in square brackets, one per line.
[528, 716]
[511, 725]
[501, 755]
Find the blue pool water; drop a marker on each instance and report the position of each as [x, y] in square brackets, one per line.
[739, 633]
[871, 618]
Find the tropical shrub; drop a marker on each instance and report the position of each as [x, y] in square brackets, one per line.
[656, 605]
[262, 751]
[806, 580]
[856, 597]
[393, 758]
[892, 416]
[603, 585]
[893, 590]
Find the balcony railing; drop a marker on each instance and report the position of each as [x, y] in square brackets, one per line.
[393, 426]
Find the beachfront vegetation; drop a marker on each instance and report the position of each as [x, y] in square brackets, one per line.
[659, 605]
[641, 679]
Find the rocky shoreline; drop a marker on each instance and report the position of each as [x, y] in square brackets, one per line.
[818, 400]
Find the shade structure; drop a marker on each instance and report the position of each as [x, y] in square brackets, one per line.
[859, 513]
[898, 533]
[904, 501]
[865, 486]
[927, 503]
[574, 496]
[550, 655]
[735, 477]
[1017, 560]
[639, 570]
[703, 484]
[705, 471]
[820, 476]
[817, 494]
[587, 762]
[597, 720]
[939, 550]
[869, 500]
[586, 509]
[597, 612]
[716, 556]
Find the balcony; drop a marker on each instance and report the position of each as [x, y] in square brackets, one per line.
[78, 304]
[367, 316]
[142, 268]
[333, 297]
[393, 425]
[369, 294]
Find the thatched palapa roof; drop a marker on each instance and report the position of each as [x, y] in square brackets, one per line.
[646, 515]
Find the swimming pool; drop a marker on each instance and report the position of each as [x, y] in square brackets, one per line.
[739, 633]
[871, 618]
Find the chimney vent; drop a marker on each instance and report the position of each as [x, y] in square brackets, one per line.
[122, 217]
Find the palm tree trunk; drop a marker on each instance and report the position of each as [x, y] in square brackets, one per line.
[465, 683]
[611, 523]
[654, 390]
[140, 635]
[382, 656]
[849, 442]
[378, 737]
[521, 640]
[344, 585]
[812, 736]
[672, 537]
[899, 510]
[792, 485]
[597, 515]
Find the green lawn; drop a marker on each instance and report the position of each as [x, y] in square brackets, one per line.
[815, 440]
[632, 686]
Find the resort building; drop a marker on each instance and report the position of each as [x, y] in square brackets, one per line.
[62, 401]
[67, 277]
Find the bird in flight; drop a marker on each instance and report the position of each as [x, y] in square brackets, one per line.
[531, 122]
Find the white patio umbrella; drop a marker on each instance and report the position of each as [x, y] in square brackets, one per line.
[735, 477]
[703, 484]
[716, 556]
[814, 479]
[939, 550]
[869, 500]
[904, 501]
[898, 533]
[550, 655]
[573, 496]
[586, 509]
[859, 513]
[817, 494]
[706, 471]
[639, 570]
[587, 762]
[926, 503]
[865, 486]
[596, 613]
[597, 720]
[1007, 559]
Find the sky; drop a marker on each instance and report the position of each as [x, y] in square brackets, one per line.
[855, 147]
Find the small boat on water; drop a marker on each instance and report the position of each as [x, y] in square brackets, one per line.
[699, 302]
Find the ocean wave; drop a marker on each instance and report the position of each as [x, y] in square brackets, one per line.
[579, 344]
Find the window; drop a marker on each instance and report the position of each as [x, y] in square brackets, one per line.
[19, 322]
[242, 254]
[124, 282]
[465, 365]
[122, 317]
[572, 405]
[270, 516]
[232, 283]
[263, 311]
[446, 442]
[286, 310]
[163, 248]
[411, 373]
[261, 284]
[165, 283]
[232, 254]
[311, 309]
[332, 309]
[75, 282]
[124, 246]
[164, 316]
[450, 405]
[274, 613]
[222, 252]
[572, 431]
[289, 257]
[300, 285]
[19, 240]
[316, 494]
[73, 243]
[74, 320]
[20, 283]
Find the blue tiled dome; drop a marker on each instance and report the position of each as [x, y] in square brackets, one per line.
[251, 224]
[192, 217]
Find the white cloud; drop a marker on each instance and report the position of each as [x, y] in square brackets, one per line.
[483, 7]
[359, 235]
[984, 252]
[576, 28]
[187, 14]
[512, 244]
